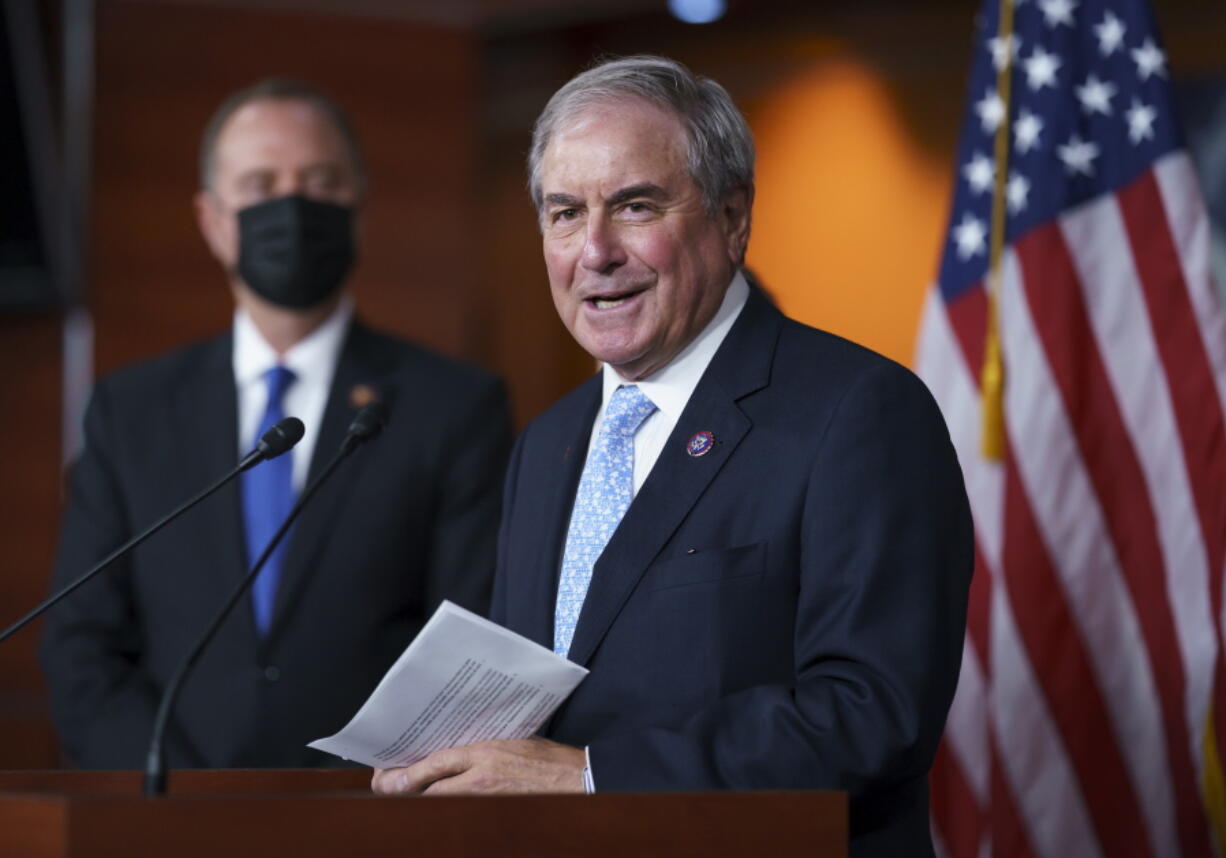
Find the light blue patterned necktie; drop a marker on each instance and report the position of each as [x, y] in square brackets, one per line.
[604, 494]
[268, 495]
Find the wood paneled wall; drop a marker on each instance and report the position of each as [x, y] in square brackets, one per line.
[29, 499]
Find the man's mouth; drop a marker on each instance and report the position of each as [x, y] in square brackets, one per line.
[608, 302]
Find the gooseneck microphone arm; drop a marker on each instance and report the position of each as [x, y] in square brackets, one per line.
[272, 443]
[365, 425]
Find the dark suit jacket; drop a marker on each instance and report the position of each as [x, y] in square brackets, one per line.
[408, 520]
[783, 612]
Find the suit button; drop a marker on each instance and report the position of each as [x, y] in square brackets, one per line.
[272, 673]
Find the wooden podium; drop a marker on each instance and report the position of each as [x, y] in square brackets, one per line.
[305, 813]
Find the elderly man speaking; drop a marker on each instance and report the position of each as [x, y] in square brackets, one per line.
[753, 533]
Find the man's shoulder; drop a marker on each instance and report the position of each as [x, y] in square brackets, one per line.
[808, 355]
[184, 367]
[403, 358]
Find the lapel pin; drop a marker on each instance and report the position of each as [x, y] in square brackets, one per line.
[700, 443]
[361, 395]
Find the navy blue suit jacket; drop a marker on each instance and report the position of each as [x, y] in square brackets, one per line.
[783, 612]
[408, 520]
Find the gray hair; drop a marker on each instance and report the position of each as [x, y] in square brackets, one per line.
[719, 146]
[279, 89]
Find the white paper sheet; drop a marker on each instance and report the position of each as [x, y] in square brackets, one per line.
[462, 680]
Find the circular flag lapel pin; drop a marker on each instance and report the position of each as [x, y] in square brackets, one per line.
[361, 395]
[700, 443]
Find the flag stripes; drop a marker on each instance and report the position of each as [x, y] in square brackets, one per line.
[1091, 707]
[1197, 408]
[962, 830]
[1049, 636]
[1044, 783]
[1099, 612]
[1010, 835]
[1107, 453]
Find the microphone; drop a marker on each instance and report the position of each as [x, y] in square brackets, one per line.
[279, 438]
[272, 443]
[366, 424]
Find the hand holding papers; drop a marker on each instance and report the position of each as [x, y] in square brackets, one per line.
[462, 680]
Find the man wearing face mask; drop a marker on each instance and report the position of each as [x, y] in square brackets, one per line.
[408, 521]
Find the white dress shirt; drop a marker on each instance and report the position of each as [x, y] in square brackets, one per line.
[313, 362]
[671, 386]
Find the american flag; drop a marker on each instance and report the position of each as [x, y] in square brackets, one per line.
[1091, 681]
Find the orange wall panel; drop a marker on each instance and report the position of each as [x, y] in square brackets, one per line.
[850, 210]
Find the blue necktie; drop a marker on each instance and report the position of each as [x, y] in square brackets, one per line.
[268, 495]
[604, 494]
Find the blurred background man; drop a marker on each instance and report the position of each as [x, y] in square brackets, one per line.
[408, 522]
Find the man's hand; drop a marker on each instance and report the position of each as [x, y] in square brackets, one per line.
[512, 765]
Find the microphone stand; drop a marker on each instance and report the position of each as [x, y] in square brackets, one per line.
[265, 449]
[154, 783]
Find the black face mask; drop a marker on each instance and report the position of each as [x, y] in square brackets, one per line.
[294, 252]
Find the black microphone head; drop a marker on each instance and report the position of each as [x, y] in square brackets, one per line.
[368, 421]
[280, 438]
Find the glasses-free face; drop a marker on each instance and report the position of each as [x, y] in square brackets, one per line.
[637, 266]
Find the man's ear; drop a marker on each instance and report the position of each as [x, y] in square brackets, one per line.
[736, 213]
[209, 220]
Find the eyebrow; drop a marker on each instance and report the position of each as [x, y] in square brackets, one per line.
[565, 200]
[645, 190]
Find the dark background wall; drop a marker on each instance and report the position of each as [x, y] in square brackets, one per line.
[444, 95]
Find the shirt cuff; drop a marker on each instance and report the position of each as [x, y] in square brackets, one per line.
[589, 783]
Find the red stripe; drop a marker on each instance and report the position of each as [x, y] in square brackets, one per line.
[1065, 675]
[1194, 395]
[968, 316]
[955, 812]
[1060, 314]
[1010, 838]
[978, 612]
[1189, 376]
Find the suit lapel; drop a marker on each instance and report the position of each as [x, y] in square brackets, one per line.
[207, 416]
[566, 452]
[358, 365]
[677, 480]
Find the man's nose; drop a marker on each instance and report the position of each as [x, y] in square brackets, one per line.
[602, 249]
[291, 186]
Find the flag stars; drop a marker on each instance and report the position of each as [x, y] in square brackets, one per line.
[1140, 121]
[1110, 32]
[979, 173]
[1150, 60]
[1095, 96]
[991, 110]
[1078, 156]
[1041, 68]
[1057, 12]
[1017, 192]
[1004, 50]
[1026, 131]
[970, 236]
